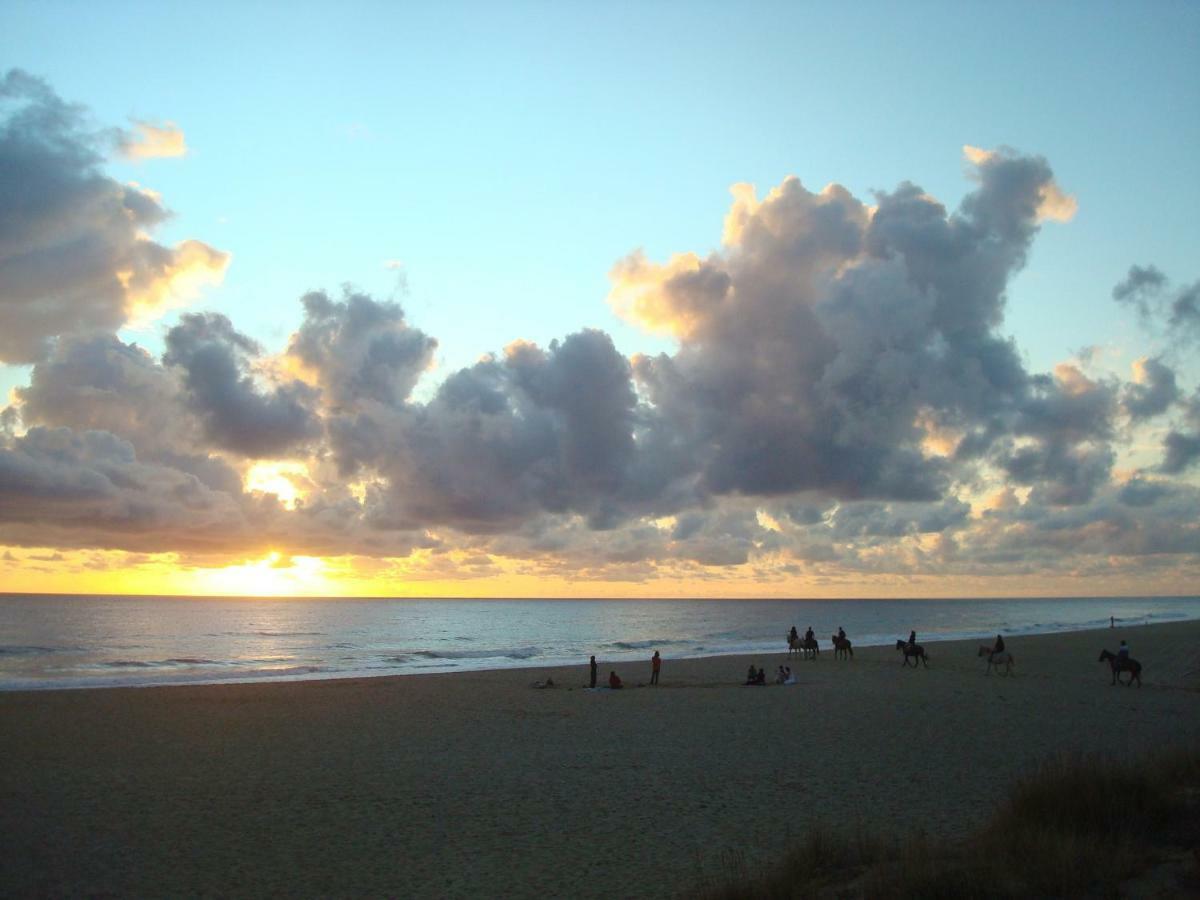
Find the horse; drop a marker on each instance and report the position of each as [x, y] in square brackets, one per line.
[913, 650]
[795, 645]
[997, 659]
[841, 646]
[1132, 666]
[810, 648]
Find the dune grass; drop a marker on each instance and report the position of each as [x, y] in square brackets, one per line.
[1077, 826]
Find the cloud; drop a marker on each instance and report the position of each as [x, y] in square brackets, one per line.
[74, 252]
[1181, 446]
[151, 141]
[841, 399]
[236, 414]
[1152, 391]
[359, 349]
[1147, 290]
[1138, 285]
[1053, 204]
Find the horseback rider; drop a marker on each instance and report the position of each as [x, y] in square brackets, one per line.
[793, 635]
[912, 638]
[999, 645]
[809, 638]
[1123, 652]
[841, 633]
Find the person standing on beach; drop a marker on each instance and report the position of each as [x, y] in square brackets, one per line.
[655, 666]
[594, 667]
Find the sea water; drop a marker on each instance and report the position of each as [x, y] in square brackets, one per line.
[59, 641]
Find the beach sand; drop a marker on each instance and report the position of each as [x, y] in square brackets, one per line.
[474, 784]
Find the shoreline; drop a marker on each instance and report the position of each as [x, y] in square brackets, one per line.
[933, 640]
[475, 783]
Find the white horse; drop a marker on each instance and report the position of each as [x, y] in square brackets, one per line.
[1003, 658]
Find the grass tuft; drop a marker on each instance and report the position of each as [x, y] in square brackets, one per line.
[1077, 826]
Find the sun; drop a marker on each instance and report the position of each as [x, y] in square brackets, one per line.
[275, 575]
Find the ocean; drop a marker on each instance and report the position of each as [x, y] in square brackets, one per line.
[60, 641]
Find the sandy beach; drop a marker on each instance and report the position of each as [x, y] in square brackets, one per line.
[475, 784]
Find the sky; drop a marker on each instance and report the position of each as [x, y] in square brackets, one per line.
[531, 299]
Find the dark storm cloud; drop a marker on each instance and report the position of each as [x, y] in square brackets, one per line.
[73, 251]
[235, 413]
[360, 348]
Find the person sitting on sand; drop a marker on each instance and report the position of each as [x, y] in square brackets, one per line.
[761, 677]
[788, 677]
[751, 674]
[614, 682]
[780, 676]
[548, 683]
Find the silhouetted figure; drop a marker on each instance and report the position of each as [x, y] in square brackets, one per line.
[809, 637]
[655, 666]
[761, 677]
[613, 681]
[751, 674]
[912, 638]
[1123, 652]
[841, 633]
[998, 647]
[793, 636]
[1112, 621]
[593, 667]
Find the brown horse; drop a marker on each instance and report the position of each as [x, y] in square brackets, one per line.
[914, 651]
[1003, 658]
[1117, 664]
[841, 646]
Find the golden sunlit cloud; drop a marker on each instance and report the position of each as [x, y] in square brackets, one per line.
[289, 481]
[640, 293]
[152, 290]
[150, 141]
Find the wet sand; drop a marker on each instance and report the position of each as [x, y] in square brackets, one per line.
[474, 784]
